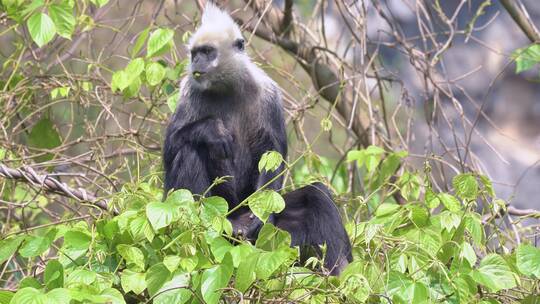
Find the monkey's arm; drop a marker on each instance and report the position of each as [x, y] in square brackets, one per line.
[188, 151]
[208, 132]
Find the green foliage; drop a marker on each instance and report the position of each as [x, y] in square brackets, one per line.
[411, 243]
[528, 260]
[177, 251]
[159, 42]
[270, 161]
[41, 28]
[63, 19]
[526, 58]
[264, 203]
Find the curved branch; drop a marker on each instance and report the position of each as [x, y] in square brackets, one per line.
[49, 184]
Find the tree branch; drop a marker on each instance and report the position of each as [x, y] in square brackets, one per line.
[522, 19]
[49, 184]
[322, 75]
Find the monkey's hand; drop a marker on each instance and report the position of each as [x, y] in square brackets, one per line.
[245, 225]
[219, 141]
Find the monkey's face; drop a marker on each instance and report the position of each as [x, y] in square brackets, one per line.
[215, 63]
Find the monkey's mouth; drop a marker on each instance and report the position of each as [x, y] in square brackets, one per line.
[198, 75]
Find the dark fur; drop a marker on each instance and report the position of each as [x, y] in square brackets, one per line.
[223, 131]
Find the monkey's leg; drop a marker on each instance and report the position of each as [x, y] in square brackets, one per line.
[312, 219]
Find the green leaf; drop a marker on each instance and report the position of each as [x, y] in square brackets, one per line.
[357, 155]
[112, 296]
[62, 91]
[465, 186]
[386, 209]
[36, 245]
[189, 263]
[432, 200]
[528, 260]
[81, 276]
[77, 239]
[526, 58]
[488, 186]
[41, 28]
[134, 68]
[449, 220]
[356, 287]
[410, 186]
[180, 197]
[174, 291]
[155, 277]
[160, 40]
[140, 228]
[220, 247]
[270, 161]
[216, 278]
[417, 293]
[33, 6]
[171, 262]
[140, 42]
[240, 252]
[450, 202]
[465, 286]
[31, 295]
[419, 215]
[246, 275]
[467, 253]
[6, 296]
[119, 81]
[132, 255]
[44, 136]
[161, 215]
[264, 203]
[172, 101]
[269, 262]
[271, 238]
[213, 207]
[62, 17]
[155, 73]
[389, 167]
[8, 248]
[133, 281]
[30, 282]
[53, 275]
[494, 273]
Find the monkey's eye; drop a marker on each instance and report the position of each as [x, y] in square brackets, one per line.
[239, 44]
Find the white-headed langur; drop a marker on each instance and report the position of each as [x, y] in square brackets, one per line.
[229, 114]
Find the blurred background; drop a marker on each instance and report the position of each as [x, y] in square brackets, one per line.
[436, 78]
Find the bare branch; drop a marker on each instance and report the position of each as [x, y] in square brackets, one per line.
[522, 19]
[49, 184]
[286, 23]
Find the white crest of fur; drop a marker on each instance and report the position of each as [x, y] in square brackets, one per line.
[215, 23]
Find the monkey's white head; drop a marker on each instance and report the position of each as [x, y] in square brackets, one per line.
[217, 50]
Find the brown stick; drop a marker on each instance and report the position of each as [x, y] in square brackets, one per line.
[49, 184]
[522, 20]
